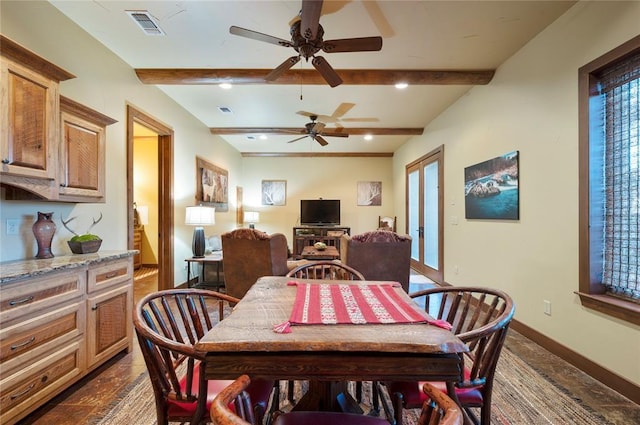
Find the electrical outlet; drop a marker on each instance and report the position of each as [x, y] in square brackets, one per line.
[547, 307]
[13, 226]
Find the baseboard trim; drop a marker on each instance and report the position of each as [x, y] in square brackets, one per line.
[596, 371]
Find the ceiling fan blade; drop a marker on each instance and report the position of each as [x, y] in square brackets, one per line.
[254, 35]
[318, 127]
[282, 68]
[369, 119]
[310, 16]
[378, 18]
[320, 140]
[360, 44]
[295, 140]
[342, 109]
[327, 72]
[334, 134]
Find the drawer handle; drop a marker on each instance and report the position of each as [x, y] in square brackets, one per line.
[22, 344]
[94, 308]
[6, 161]
[112, 274]
[22, 301]
[21, 393]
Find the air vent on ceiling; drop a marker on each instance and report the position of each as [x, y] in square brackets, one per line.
[225, 110]
[146, 22]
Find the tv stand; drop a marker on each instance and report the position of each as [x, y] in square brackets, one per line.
[308, 235]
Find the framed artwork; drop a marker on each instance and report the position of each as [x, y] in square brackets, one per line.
[491, 189]
[274, 192]
[369, 193]
[212, 185]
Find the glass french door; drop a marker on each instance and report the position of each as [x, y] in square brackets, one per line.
[425, 214]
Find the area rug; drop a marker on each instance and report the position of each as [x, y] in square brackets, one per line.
[521, 396]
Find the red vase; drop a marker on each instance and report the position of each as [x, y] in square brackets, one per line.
[44, 229]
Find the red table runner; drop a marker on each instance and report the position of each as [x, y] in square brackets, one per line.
[331, 304]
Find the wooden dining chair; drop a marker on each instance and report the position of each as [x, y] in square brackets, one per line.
[439, 409]
[327, 270]
[480, 317]
[168, 324]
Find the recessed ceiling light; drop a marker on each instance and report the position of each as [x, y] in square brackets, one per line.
[225, 110]
[263, 137]
[401, 85]
[225, 86]
[368, 137]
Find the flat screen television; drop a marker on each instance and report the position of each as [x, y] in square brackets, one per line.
[320, 212]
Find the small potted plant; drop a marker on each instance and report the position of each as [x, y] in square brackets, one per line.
[86, 243]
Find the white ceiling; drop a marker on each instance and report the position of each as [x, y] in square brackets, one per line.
[427, 35]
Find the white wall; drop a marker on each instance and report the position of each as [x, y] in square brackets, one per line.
[313, 178]
[107, 84]
[532, 106]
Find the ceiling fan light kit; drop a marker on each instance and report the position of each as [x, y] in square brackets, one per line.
[307, 40]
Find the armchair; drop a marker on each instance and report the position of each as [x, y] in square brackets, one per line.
[379, 255]
[249, 254]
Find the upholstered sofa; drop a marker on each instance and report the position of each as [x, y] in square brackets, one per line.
[379, 255]
[249, 254]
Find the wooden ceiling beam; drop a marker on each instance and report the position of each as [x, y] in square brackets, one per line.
[184, 76]
[377, 131]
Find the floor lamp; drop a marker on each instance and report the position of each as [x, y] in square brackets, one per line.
[199, 216]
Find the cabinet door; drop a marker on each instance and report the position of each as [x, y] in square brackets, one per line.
[29, 107]
[82, 158]
[109, 327]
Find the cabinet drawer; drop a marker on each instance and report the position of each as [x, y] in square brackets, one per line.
[39, 335]
[42, 380]
[33, 295]
[109, 274]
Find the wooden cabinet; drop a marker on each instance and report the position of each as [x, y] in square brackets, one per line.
[308, 235]
[29, 105]
[137, 245]
[82, 152]
[52, 147]
[57, 326]
[42, 342]
[109, 303]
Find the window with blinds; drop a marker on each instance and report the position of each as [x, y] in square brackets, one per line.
[610, 117]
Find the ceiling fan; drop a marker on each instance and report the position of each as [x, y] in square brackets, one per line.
[338, 115]
[315, 129]
[307, 40]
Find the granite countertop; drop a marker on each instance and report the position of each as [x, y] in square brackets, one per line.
[12, 270]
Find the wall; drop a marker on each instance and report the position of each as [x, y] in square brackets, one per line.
[107, 84]
[145, 192]
[531, 106]
[313, 178]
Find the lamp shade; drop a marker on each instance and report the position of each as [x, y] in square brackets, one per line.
[200, 216]
[251, 217]
[143, 214]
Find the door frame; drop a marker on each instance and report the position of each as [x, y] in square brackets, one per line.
[165, 192]
[436, 155]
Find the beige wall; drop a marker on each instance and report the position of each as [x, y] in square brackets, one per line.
[145, 192]
[313, 178]
[531, 106]
[107, 84]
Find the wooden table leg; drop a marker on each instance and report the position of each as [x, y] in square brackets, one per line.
[331, 396]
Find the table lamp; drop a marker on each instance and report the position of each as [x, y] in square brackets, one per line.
[251, 217]
[199, 216]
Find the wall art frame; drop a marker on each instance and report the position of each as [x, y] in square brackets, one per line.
[274, 192]
[212, 185]
[491, 190]
[369, 193]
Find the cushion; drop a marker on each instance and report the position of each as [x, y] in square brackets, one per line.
[259, 391]
[380, 236]
[327, 418]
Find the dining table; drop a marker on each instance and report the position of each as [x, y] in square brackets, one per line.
[258, 339]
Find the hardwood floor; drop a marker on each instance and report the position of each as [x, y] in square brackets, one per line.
[87, 399]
